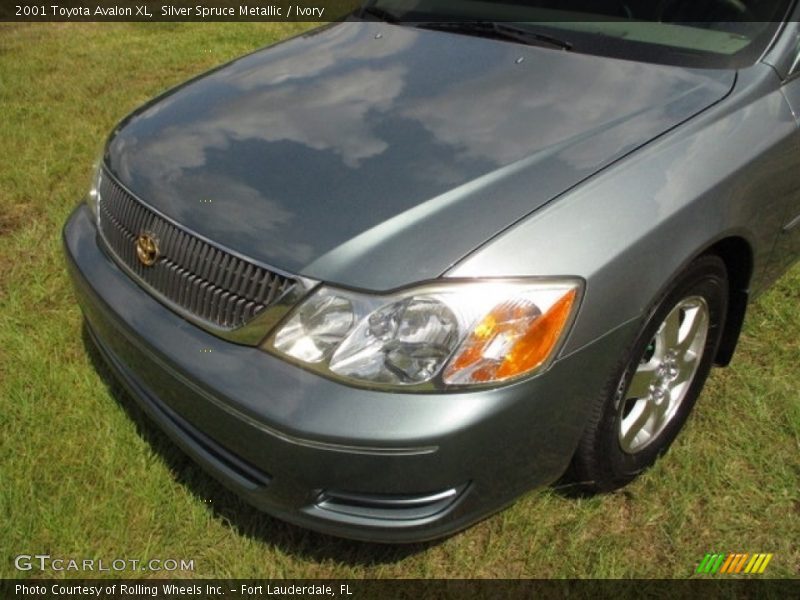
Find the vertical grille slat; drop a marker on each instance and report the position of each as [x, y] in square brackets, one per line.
[262, 286]
[214, 271]
[237, 276]
[237, 309]
[198, 278]
[207, 290]
[202, 261]
[183, 242]
[219, 314]
[223, 269]
[249, 311]
[274, 286]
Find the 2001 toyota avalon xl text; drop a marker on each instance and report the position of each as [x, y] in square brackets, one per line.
[384, 277]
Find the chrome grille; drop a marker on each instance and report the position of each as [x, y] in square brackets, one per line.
[210, 284]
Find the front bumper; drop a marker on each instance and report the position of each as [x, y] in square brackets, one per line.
[349, 462]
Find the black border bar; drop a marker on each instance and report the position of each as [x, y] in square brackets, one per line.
[412, 589]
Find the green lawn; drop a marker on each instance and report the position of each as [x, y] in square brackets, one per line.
[83, 474]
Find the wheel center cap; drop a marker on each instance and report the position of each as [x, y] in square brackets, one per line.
[668, 370]
[665, 375]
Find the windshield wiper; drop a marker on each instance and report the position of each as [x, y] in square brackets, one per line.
[503, 31]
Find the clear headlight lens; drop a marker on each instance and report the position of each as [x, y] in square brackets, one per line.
[404, 343]
[93, 195]
[316, 328]
[447, 334]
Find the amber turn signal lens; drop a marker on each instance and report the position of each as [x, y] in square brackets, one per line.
[515, 338]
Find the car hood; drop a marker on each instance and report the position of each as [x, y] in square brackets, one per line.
[376, 155]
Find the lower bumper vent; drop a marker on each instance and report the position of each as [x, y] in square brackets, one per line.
[389, 507]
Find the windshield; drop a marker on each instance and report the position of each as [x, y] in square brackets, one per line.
[698, 33]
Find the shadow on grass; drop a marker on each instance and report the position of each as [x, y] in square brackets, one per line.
[228, 507]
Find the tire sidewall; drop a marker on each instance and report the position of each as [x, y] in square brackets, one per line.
[705, 277]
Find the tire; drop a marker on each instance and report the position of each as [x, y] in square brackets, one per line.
[649, 397]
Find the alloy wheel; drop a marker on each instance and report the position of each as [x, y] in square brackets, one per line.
[664, 375]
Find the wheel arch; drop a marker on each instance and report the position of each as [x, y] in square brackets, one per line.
[737, 254]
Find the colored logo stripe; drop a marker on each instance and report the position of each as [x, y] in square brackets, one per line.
[734, 563]
[710, 563]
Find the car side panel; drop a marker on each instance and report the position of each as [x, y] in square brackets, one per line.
[788, 247]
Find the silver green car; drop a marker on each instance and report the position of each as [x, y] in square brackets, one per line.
[385, 277]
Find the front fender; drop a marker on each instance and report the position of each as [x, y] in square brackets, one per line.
[632, 227]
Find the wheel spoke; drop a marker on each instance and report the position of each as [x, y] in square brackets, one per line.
[695, 325]
[659, 413]
[633, 425]
[641, 380]
[687, 365]
[670, 330]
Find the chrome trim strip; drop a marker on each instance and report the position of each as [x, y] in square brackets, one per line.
[390, 501]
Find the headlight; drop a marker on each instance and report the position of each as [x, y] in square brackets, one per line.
[433, 336]
[93, 195]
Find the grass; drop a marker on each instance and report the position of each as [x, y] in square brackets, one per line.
[83, 474]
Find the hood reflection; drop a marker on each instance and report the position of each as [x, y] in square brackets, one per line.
[308, 145]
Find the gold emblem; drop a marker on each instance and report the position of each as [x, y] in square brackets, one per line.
[146, 249]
